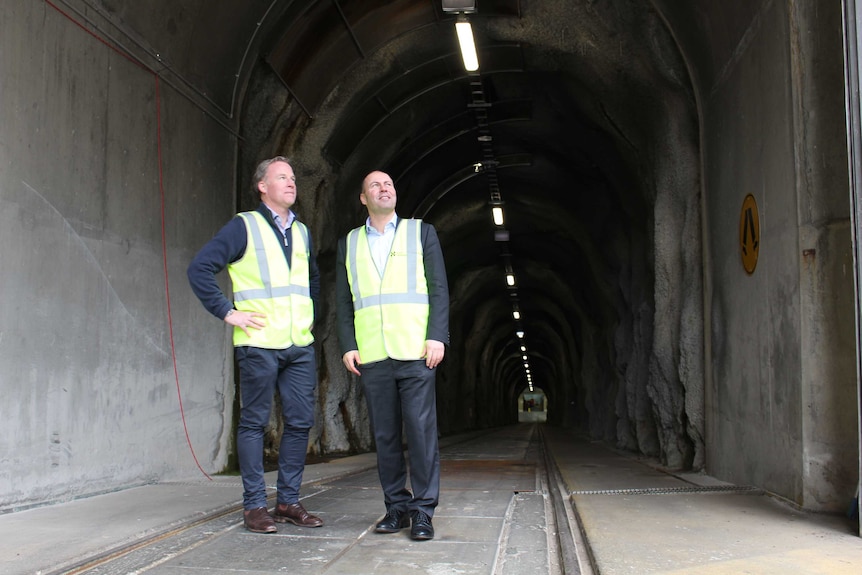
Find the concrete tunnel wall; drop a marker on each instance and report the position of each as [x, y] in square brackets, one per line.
[723, 99]
[89, 395]
[781, 390]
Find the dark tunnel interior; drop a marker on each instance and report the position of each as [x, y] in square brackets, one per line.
[579, 124]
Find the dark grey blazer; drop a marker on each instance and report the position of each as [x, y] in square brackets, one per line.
[438, 291]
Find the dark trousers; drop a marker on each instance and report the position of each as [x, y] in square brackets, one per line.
[403, 392]
[292, 372]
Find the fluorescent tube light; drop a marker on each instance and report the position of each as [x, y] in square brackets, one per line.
[468, 46]
[498, 215]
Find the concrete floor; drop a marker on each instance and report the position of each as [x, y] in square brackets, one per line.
[640, 519]
[497, 515]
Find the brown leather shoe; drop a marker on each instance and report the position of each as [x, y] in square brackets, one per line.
[259, 521]
[296, 514]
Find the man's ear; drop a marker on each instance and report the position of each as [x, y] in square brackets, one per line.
[362, 198]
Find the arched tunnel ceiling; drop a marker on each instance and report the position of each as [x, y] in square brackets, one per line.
[569, 124]
[555, 138]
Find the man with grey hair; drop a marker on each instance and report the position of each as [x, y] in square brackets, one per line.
[276, 286]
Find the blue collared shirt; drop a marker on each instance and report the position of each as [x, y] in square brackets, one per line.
[283, 227]
[381, 244]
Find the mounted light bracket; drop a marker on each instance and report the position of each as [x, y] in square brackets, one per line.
[465, 6]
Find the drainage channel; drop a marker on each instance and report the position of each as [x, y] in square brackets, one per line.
[745, 490]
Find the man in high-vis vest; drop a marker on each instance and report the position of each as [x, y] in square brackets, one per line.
[393, 326]
[276, 286]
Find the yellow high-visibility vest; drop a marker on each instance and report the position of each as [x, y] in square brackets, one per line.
[390, 313]
[263, 282]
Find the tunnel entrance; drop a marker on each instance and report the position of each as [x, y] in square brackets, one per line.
[533, 406]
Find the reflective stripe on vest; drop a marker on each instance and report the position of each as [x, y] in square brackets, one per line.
[263, 282]
[390, 313]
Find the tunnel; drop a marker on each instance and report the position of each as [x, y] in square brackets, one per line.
[592, 164]
[585, 182]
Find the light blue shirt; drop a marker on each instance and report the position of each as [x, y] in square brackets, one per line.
[381, 244]
[283, 226]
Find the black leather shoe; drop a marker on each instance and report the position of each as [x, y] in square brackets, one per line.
[422, 529]
[394, 522]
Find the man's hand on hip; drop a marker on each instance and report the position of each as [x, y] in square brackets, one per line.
[245, 320]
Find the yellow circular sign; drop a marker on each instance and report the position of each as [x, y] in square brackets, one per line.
[749, 234]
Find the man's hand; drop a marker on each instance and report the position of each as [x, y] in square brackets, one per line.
[351, 360]
[245, 320]
[433, 353]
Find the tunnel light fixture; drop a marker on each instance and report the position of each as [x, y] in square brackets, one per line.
[520, 334]
[465, 6]
[497, 211]
[524, 357]
[510, 279]
[516, 314]
[523, 348]
[468, 45]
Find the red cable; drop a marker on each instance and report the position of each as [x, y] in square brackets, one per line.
[162, 214]
[165, 261]
[82, 27]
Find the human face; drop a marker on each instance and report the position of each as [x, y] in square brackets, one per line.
[278, 187]
[378, 193]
